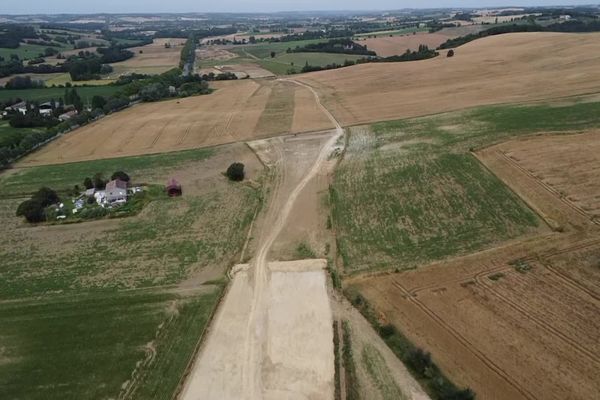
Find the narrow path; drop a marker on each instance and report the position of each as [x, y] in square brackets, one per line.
[251, 373]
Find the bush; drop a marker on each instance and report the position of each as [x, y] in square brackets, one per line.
[99, 182]
[120, 175]
[451, 53]
[32, 210]
[93, 213]
[87, 183]
[235, 172]
[419, 361]
[45, 197]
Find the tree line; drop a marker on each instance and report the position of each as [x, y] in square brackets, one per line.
[339, 46]
[422, 53]
[574, 26]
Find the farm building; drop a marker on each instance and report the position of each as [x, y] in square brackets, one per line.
[174, 188]
[116, 191]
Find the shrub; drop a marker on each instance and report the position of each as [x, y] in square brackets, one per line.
[93, 213]
[451, 53]
[87, 183]
[32, 210]
[99, 182]
[45, 196]
[235, 172]
[120, 175]
[419, 361]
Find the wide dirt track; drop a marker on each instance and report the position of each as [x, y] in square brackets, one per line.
[518, 321]
[505, 68]
[236, 111]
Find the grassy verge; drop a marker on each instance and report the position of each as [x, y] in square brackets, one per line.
[409, 192]
[419, 363]
[352, 388]
[336, 355]
[380, 375]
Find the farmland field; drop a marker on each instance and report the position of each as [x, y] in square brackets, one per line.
[260, 54]
[409, 192]
[499, 69]
[237, 110]
[47, 94]
[521, 309]
[153, 58]
[389, 45]
[113, 307]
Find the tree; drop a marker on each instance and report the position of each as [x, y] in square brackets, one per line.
[99, 182]
[87, 183]
[121, 176]
[98, 102]
[32, 210]
[45, 197]
[451, 53]
[273, 54]
[235, 172]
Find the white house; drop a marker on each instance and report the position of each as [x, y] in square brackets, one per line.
[116, 192]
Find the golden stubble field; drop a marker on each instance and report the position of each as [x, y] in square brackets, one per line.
[518, 321]
[153, 58]
[500, 69]
[386, 46]
[236, 111]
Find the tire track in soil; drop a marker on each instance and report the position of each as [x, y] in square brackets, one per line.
[464, 342]
[555, 193]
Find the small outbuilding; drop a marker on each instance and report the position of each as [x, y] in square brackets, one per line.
[174, 188]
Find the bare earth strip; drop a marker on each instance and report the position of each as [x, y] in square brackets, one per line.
[232, 113]
[505, 68]
[267, 341]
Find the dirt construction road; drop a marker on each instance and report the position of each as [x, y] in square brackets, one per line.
[267, 341]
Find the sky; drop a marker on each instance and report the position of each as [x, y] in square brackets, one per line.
[175, 6]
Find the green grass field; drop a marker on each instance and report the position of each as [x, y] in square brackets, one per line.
[395, 32]
[63, 176]
[88, 346]
[88, 306]
[283, 62]
[47, 94]
[28, 51]
[408, 192]
[10, 136]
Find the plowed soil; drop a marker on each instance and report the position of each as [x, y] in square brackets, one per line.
[518, 321]
[236, 111]
[505, 68]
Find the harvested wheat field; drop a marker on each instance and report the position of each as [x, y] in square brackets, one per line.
[386, 46]
[566, 164]
[236, 111]
[394, 45]
[518, 321]
[505, 68]
[153, 58]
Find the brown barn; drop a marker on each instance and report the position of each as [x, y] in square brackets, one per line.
[174, 188]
